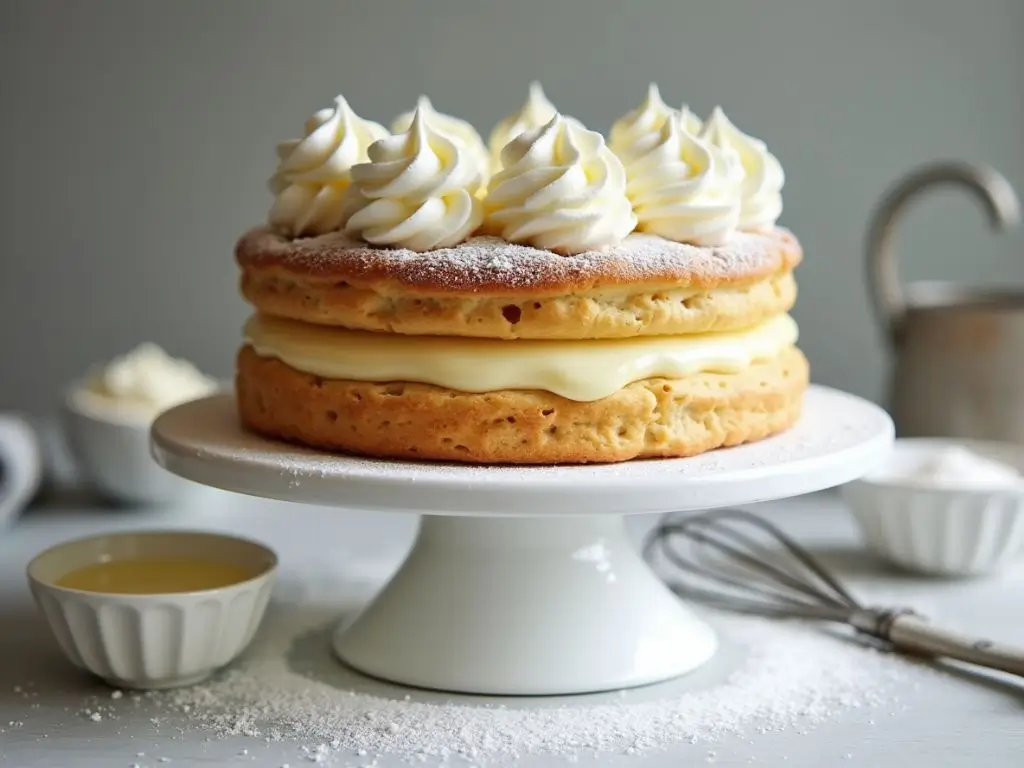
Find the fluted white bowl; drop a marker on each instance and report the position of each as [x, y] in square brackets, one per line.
[940, 530]
[153, 641]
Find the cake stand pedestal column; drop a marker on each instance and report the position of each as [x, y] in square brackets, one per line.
[514, 605]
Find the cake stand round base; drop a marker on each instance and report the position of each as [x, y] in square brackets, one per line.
[522, 579]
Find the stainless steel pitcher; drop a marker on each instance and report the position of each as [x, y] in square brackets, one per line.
[959, 352]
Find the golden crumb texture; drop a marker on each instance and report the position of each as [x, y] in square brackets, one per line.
[488, 288]
[647, 419]
[598, 315]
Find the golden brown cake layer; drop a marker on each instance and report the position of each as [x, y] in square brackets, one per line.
[601, 315]
[649, 418]
[489, 288]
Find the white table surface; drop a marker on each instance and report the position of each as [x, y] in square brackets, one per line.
[951, 719]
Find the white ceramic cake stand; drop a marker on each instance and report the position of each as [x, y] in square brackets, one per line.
[523, 580]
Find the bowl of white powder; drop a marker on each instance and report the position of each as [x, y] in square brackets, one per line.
[944, 507]
[107, 416]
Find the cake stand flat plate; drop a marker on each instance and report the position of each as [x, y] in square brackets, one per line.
[838, 438]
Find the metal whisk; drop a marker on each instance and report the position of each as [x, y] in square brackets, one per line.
[734, 560]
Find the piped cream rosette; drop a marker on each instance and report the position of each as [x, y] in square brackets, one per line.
[631, 133]
[761, 192]
[456, 129]
[535, 112]
[560, 189]
[693, 181]
[313, 172]
[682, 188]
[690, 122]
[417, 191]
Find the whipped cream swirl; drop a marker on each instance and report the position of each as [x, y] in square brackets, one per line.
[313, 172]
[690, 122]
[684, 189]
[762, 187]
[453, 127]
[632, 133]
[417, 191]
[537, 111]
[561, 189]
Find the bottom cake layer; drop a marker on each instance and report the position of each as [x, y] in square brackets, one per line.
[647, 419]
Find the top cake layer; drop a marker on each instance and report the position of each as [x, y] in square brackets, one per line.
[491, 267]
[486, 287]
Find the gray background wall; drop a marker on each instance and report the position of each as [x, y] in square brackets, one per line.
[136, 138]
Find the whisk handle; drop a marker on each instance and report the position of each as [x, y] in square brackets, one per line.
[910, 632]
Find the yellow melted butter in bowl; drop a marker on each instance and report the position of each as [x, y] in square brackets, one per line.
[137, 608]
[154, 576]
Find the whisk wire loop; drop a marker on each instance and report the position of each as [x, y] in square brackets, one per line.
[725, 555]
[718, 573]
[753, 555]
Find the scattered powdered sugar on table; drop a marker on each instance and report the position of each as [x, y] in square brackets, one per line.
[788, 676]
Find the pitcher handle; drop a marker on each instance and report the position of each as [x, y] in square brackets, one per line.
[989, 186]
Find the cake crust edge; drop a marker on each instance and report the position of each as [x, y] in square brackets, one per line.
[653, 418]
[490, 267]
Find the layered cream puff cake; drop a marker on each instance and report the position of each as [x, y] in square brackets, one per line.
[551, 298]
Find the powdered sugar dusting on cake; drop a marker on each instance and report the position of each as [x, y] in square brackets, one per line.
[487, 263]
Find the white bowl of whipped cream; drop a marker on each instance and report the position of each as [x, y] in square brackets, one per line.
[107, 416]
[944, 507]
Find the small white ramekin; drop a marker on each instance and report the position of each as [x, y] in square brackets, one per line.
[153, 641]
[942, 530]
[112, 452]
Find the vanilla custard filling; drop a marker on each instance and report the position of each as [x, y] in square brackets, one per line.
[581, 370]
